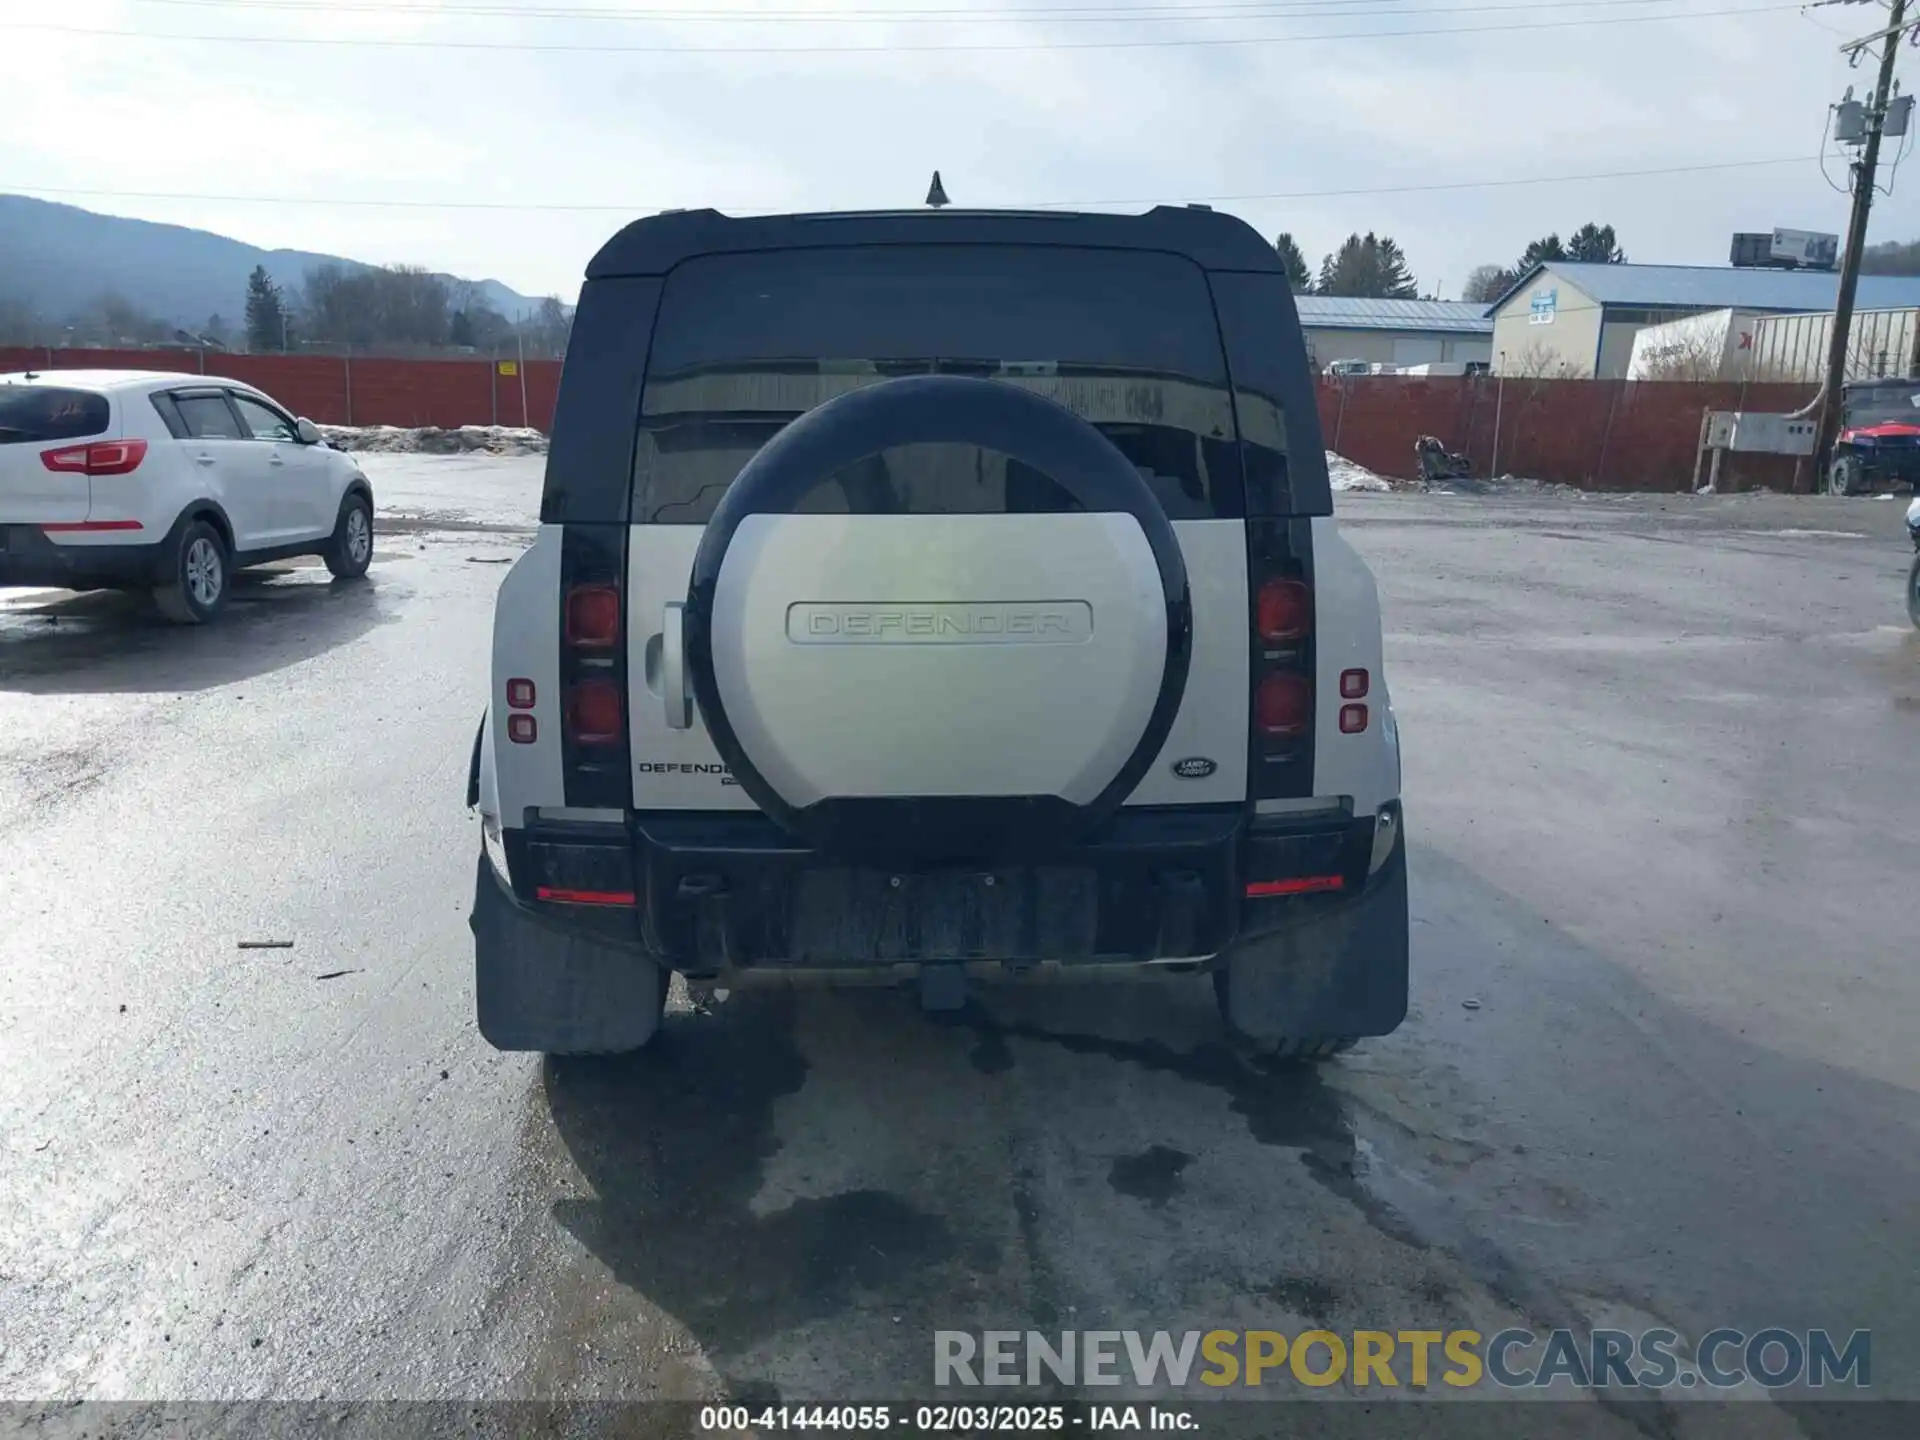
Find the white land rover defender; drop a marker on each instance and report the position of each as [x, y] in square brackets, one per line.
[944, 594]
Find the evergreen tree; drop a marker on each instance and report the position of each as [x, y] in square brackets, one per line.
[1596, 245]
[1294, 263]
[267, 326]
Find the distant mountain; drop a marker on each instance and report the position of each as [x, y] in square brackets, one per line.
[60, 258]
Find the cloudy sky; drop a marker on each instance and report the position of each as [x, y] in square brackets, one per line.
[519, 133]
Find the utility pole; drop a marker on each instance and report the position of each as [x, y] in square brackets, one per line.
[1864, 171]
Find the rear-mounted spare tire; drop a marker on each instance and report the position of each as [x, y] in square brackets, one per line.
[914, 690]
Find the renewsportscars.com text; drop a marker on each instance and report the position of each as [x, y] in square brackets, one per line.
[1414, 1359]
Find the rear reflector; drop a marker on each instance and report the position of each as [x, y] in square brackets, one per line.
[1283, 705]
[72, 525]
[522, 729]
[520, 694]
[593, 615]
[1284, 610]
[594, 712]
[1301, 885]
[104, 457]
[583, 897]
[1353, 719]
[1353, 684]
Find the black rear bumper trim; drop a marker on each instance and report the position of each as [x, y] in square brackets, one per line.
[715, 891]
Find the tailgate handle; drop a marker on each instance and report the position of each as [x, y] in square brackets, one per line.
[673, 667]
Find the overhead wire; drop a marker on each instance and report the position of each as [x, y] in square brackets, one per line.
[367, 202]
[605, 48]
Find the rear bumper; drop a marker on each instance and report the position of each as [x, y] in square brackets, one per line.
[29, 557]
[711, 893]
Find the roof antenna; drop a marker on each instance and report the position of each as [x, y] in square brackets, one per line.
[936, 192]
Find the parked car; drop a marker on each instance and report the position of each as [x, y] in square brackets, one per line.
[139, 480]
[1004, 630]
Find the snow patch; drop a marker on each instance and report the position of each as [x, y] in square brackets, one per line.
[1345, 475]
[431, 440]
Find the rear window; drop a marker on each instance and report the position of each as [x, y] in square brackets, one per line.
[45, 412]
[1125, 339]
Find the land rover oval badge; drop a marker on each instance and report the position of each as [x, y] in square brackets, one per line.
[1194, 767]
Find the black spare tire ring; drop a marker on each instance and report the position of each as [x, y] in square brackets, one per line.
[924, 409]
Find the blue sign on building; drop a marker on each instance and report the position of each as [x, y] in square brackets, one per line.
[1542, 307]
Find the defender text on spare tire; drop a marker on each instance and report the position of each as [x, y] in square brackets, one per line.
[966, 598]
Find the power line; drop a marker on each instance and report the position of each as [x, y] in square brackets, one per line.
[636, 210]
[604, 48]
[1206, 11]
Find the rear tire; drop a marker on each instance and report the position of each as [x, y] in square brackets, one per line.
[1301, 1048]
[1913, 593]
[1843, 475]
[350, 550]
[202, 574]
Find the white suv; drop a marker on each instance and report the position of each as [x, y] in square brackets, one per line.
[122, 479]
[942, 594]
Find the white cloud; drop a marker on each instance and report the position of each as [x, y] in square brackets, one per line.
[832, 130]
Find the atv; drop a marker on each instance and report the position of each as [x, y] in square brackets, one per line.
[1879, 444]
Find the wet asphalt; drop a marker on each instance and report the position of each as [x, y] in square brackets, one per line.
[1660, 1069]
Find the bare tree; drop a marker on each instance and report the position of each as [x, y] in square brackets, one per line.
[546, 330]
[1542, 362]
[399, 305]
[21, 324]
[1487, 283]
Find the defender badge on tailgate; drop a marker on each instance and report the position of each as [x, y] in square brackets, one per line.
[1194, 767]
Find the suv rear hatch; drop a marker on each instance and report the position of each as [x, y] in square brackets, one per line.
[44, 471]
[938, 620]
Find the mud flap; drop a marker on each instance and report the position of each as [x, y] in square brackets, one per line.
[539, 986]
[1339, 971]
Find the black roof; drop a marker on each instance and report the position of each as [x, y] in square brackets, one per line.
[1211, 239]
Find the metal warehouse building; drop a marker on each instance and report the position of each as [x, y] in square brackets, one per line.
[1394, 332]
[1579, 321]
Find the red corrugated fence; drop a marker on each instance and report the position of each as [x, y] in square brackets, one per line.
[1596, 434]
[341, 390]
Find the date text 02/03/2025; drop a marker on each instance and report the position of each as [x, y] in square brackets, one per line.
[944, 1419]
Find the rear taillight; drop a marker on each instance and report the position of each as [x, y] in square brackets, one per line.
[103, 457]
[591, 693]
[593, 616]
[1281, 663]
[1283, 611]
[1283, 706]
[594, 712]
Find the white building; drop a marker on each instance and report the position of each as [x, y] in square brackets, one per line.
[1394, 332]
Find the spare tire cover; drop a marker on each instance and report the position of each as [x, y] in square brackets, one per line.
[911, 689]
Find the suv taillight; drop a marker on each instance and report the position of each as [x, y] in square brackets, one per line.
[1283, 610]
[1281, 666]
[593, 680]
[593, 616]
[594, 713]
[1283, 706]
[102, 457]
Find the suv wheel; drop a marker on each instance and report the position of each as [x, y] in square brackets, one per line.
[197, 587]
[350, 550]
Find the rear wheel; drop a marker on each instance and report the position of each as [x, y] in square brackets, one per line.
[1913, 592]
[350, 550]
[196, 590]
